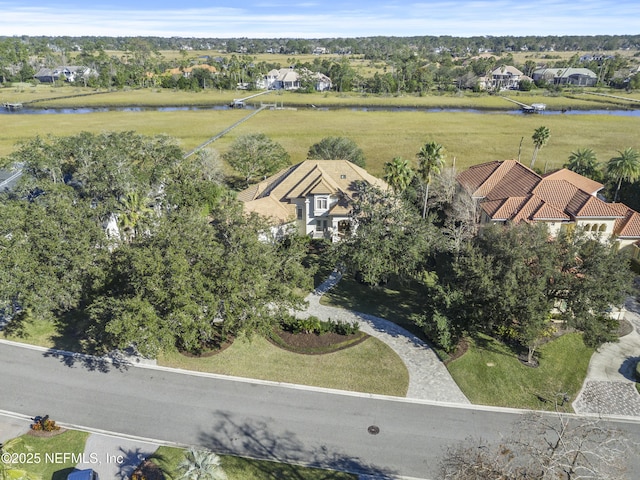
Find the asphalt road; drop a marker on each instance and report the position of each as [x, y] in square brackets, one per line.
[246, 418]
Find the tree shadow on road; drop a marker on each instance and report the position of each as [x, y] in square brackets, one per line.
[90, 362]
[253, 439]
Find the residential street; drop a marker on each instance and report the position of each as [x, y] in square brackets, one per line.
[246, 417]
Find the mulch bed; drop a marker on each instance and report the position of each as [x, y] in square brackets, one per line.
[209, 351]
[148, 470]
[310, 343]
[461, 349]
[44, 434]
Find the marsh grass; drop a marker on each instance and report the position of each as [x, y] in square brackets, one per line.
[469, 138]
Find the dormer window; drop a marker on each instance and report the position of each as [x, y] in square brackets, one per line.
[321, 203]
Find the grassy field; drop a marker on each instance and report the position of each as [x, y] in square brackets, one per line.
[349, 369]
[490, 374]
[469, 138]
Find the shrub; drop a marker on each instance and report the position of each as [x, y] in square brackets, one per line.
[313, 324]
[44, 424]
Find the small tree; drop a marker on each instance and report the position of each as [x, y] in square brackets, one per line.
[337, 148]
[543, 447]
[256, 155]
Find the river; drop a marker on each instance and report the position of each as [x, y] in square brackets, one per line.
[82, 110]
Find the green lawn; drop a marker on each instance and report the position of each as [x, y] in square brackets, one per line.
[394, 302]
[238, 468]
[52, 463]
[370, 367]
[490, 374]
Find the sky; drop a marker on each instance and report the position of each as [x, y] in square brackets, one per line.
[317, 19]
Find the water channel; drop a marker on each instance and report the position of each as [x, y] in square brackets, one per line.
[81, 110]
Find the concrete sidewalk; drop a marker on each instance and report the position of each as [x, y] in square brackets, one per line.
[609, 387]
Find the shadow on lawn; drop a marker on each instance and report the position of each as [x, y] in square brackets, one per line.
[254, 439]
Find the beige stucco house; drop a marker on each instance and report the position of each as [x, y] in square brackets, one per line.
[508, 191]
[313, 195]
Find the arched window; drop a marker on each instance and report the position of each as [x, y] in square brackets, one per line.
[594, 227]
[603, 227]
[587, 227]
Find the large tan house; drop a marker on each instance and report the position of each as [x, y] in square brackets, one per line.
[313, 195]
[508, 191]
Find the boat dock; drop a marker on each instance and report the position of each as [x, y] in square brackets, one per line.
[12, 106]
[239, 102]
[533, 108]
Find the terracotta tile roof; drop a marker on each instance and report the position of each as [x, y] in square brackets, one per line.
[306, 178]
[629, 225]
[499, 179]
[511, 191]
[577, 180]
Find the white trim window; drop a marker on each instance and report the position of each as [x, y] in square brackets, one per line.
[322, 203]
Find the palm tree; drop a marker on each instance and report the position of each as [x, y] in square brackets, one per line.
[540, 138]
[584, 162]
[134, 211]
[201, 465]
[7, 470]
[625, 167]
[430, 160]
[398, 174]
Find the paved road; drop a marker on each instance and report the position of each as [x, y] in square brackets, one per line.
[245, 417]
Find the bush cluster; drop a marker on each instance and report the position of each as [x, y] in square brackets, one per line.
[44, 424]
[313, 324]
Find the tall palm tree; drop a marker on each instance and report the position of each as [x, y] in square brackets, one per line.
[430, 160]
[201, 465]
[584, 162]
[540, 138]
[625, 167]
[398, 174]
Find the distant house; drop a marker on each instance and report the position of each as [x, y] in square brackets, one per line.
[70, 73]
[509, 192]
[188, 71]
[290, 79]
[581, 77]
[506, 77]
[314, 196]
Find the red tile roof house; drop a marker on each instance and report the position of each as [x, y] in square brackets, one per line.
[313, 196]
[507, 191]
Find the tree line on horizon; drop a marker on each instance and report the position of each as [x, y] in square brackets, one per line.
[402, 64]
